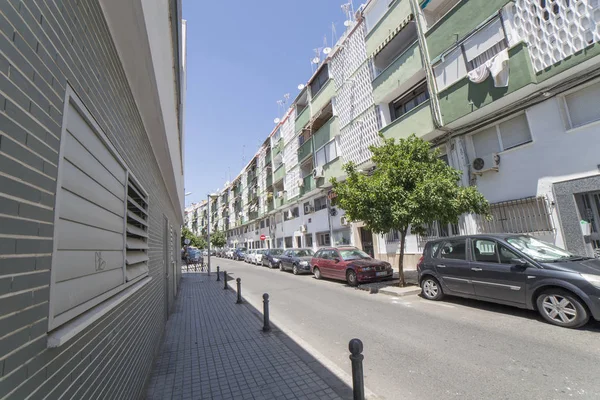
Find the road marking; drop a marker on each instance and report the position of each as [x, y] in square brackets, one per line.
[435, 303]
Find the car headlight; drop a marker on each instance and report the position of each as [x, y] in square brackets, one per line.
[593, 279]
[275, 259]
[365, 269]
[304, 263]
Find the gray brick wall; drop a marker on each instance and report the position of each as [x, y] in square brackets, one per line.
[45, 46]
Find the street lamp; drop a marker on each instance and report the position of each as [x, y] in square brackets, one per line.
[210, 196]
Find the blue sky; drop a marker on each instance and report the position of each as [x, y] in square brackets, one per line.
[243, 56]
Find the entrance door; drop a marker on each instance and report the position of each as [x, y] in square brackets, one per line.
[590, 212]
[366, 239]
[298, 241]
[166, 264]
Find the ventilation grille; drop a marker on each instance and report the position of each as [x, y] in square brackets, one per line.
[137, 232]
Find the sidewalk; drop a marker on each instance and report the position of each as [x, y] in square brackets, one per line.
[390, 286]
[215, 349]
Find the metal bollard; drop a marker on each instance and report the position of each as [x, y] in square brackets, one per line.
[225, 280]
[218, 276]
[266, 324]
[358, 381]
[239, 291]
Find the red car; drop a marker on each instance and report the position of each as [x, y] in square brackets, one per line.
[348, 264]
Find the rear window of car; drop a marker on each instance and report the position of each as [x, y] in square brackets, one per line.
[276, 252]
[304, 253]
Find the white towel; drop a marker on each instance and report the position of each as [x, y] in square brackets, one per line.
[499, 68]
[479, 74]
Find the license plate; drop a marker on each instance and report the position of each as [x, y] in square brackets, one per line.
[381, 273]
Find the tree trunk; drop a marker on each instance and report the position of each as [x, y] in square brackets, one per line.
[402, 282]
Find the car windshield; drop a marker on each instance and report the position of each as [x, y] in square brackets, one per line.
[276, 252]
[194, 253]
[539, 250]
[304, 253]
[354, 254]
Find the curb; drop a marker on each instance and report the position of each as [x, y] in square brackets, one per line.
[416, 290]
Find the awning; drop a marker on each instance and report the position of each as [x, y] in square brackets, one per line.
[393, 34]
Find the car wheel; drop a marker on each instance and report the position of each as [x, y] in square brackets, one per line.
[317, 273]
[269, 264]
[351, 278]
[295, 270]
[562, 308]
[431, 288]
[281, 267]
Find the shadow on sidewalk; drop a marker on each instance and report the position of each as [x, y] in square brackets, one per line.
[215, 349]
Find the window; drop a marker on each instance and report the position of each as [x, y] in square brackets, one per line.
[527, 215]
[485, 251]
[320, 80]
[454, 250]
[292, 213]
[327, 153]
[473, 52]
[507, 256]
[582, 105]
[289, 242]
[101, 225]
[506, 135]
[262, 223]
[320, 203]
[392, 236]
[375, 12]
[323, 239]
[409, 101]
[341, 237]
[308, 239]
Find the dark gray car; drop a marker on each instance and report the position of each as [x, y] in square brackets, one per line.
[516, 270]
[298, 260]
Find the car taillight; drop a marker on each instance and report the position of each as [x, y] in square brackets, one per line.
[419, 263]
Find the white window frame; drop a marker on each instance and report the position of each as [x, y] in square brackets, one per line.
[327, 161]
[70, 318]
[499, 135]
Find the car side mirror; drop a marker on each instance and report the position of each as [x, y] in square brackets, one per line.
[520, 262]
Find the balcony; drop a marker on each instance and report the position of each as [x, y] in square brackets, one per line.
[396, 15]
[279, 173]
[326, 133]
[277, 149]
[305, 150]
[279, 202]
[269, 178]
[309, 185]
[270, 205]
[302, 119]
[458, 23]
[322, 97]
[404, 67]
[417, 121]
[331, 170]
[464, 97]
[268, 159]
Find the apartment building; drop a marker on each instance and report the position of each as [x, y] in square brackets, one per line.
[91, 193]
[505, 89]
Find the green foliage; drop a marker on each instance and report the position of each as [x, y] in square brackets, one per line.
[195, 241]
[218, 239]
[410, 187]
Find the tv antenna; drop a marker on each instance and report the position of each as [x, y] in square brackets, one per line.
[326, 49]
[301, 86]
[348, 9]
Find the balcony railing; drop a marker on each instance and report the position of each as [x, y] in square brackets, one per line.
[305, 150]
[279, 202]
[309, 184]
[404, 67]
[326, 133]
[302, 119]
[279, 173]
[268, 159]
[417, 121]
[322, 97]
[269, 178]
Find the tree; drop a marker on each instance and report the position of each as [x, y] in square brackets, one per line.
[409, 188]
[218, 239]
[195, 241]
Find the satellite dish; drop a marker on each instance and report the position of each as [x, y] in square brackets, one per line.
[276, 120]
[327, 50]
[300, 86]
[347, 23]
[315, 60]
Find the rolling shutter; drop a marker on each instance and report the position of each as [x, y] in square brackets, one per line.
[136, 257]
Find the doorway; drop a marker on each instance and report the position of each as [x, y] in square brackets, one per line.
[589, 209]
[366, 239]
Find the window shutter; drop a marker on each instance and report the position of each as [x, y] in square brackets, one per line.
[137, 232]
[583, 105]
[486, 142]
[515, 132]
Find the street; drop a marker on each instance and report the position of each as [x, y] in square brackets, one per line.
[417, 349]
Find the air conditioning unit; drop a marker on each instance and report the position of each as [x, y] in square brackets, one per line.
[308, 209]
[300, 182]
[280, 194]
[302, 228]
[344, 221]
[318, 172]
[487, 163]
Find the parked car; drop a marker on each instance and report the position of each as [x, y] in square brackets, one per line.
[298, 260]
[349, 264]
[229, 253]
[259, 256]
[517, 270]
[194, 255]
[239, 254]
[250, 256]
[270, 257]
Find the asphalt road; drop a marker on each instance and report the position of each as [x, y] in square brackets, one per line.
[418, 349]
